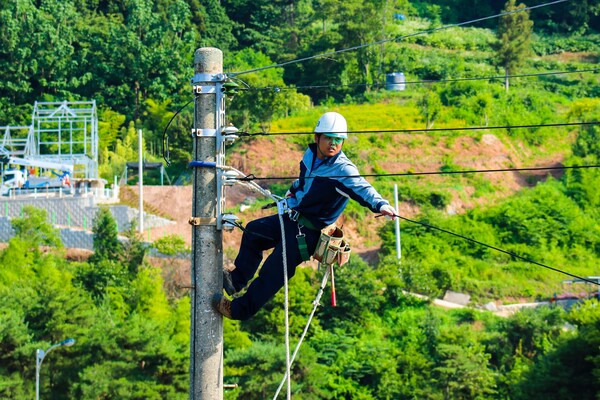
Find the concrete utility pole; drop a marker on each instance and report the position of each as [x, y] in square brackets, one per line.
[206, 357]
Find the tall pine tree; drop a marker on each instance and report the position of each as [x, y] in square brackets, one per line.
[514, 35]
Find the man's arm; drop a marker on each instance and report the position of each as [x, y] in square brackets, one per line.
[358, 189]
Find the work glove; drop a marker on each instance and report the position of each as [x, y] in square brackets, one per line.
[388, 211]
[289, 194]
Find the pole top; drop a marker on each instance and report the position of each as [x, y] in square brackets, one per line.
[208, 60]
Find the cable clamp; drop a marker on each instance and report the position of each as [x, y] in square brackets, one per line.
[198, 221]
[204, 132]
[201, 89]
[204, 77]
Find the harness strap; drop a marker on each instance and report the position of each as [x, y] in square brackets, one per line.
[302, 222]
[302, 246]
[306, 222]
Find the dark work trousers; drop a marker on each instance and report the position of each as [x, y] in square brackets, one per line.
[260, 235]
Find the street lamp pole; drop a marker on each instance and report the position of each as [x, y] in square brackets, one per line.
[39, 358]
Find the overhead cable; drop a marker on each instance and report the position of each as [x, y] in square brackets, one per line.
[252, 177]
[424, 81]
[496, 248]
[410, 130]
[165, 137]
[328, 54]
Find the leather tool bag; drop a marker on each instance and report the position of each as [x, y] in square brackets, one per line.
[332, 248]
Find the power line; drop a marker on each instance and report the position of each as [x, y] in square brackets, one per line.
[425, 81]
[495, 248]
[165, 137]
[395, 38]
[411, 130]
[252, 177]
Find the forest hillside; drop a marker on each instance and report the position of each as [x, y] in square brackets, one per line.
[511, 92]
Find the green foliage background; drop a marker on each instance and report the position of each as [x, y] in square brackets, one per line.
[135, 58]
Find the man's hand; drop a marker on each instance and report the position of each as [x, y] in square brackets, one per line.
[388, 211]
[289, 194]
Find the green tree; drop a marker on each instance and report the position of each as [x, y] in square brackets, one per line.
[570, 369]
[125, 149]
[514, 35]
[214, 26]
[157, 116]
[109, 125]
[463, 371]
[482, 107]
[134, 249]
[104, 269]
[131, 345]
[36, 49]
[430, 106]
[34, 229]
[106, 241]
[252, 109]
[170, 245]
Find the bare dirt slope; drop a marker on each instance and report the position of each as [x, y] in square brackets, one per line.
[276, 157]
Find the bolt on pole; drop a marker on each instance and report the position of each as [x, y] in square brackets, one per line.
[206, 339]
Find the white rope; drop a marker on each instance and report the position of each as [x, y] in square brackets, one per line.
[281, 211]
[250, 184]
[316, 303]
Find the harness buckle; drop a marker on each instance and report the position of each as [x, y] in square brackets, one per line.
[294, 215]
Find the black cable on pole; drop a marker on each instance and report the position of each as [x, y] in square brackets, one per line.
[395, 38]
[407, 130]
[495, 248]
[252, 177]
[165, 138]
[245, 230]
[425, 81]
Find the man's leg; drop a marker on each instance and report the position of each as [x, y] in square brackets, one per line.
[270, 277]
[260, 235]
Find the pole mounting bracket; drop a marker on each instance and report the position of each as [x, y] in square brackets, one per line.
[197, 221]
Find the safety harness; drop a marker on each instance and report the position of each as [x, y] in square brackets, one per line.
[331, 248]
[301, 237]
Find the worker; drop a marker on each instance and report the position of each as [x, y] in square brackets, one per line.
[314, 203]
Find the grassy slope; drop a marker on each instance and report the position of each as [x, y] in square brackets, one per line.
[415, 152]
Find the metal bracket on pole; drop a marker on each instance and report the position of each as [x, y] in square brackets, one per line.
[204, 132]
[199, 89]
[217, 89]
[203, 77]
[197, 221]
[220, 143]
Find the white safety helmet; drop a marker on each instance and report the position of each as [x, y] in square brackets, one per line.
[332, 124]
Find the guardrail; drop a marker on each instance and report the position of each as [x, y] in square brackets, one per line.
[60, 192]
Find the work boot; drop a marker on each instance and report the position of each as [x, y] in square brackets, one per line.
[222, 305]
[228, 283]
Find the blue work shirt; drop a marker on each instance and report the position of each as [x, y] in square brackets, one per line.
[322, 198]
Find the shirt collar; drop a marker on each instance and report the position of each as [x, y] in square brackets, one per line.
[327, 160]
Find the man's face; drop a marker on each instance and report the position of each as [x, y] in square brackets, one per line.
[328, 146]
